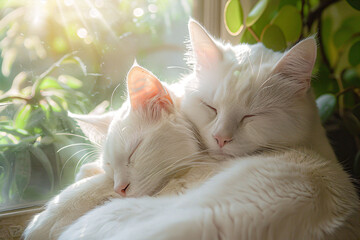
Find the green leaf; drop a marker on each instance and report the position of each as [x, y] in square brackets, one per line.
[354, 3]
[256, 12]
[289, 21]
[49, 83]
[5, 177]
[70, 81]
[329, 46]
[45, 162]
[14, 131]
[23, 116]
[273, 38]
[354, 54]
[37, 117]
[351, 78]
[351, 123]
[347, 30]
[233, 17]
[326, 104]
[9, 56]
[4, 168]
[54, 105]
[22, 170]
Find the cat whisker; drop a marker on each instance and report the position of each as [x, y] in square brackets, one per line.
[74, 145]
[63, 167]
[112, 95]
[83, 159]
[79, 136]
[179, 67]
[251, 66]
[261, 58]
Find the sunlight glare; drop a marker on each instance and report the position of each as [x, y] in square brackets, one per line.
[94, 13]
[152, 8]
[138, 12]
[82, 33]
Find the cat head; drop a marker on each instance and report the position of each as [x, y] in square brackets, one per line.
[147, 140]
[245, 98]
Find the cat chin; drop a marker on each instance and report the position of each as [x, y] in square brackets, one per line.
[220, 155]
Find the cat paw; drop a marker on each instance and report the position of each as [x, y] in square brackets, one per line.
[88, 170]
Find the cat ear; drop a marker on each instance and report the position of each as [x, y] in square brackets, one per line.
[95, 127]
[207, 54]
[297, 64]
[146, 91]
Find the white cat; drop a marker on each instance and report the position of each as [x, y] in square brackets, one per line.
[247, 98]
[149, 148]
[292, 194]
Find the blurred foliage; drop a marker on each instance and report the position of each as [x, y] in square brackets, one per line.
[66, 55]
[279, 24]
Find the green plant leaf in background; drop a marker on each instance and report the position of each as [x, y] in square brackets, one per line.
[9, 57]
[233, 17]
[71, 81]
[326, 104]
[354, 3]
[354, 54]
[256, 12]
[327, 40]
[23, 116]
[289, 21]
[346, 30]
[273, 38]
[352, 123]
[351, 78]
[22, 170]
[49, 83]
[45, 162]
[4, 177]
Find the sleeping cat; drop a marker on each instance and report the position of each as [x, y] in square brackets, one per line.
[246, 100]
[291, 194]
[148, 149]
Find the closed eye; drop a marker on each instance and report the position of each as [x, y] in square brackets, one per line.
[247, 117]
[129, 159]
[212, 108]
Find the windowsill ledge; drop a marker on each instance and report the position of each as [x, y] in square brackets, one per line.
[13, 222]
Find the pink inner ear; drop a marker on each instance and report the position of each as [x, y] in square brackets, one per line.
[207, 55]
[144, 87]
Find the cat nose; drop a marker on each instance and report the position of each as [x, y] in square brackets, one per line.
[122, 189]
[221, 141]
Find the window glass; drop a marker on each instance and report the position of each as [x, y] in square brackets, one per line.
[70, 55]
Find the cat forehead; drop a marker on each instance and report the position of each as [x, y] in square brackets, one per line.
[242, 73]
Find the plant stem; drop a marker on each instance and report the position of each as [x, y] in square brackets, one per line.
[331, 69]
[27, 99]
[345, 91]
[48, 71]
[253, 34]
[314, 14]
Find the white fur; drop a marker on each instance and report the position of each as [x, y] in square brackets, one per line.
[69, 205]
[253, 80]
[296, 194]
[166, 161]
[290, 192]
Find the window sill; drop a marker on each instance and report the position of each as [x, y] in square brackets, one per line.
[14, 222]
